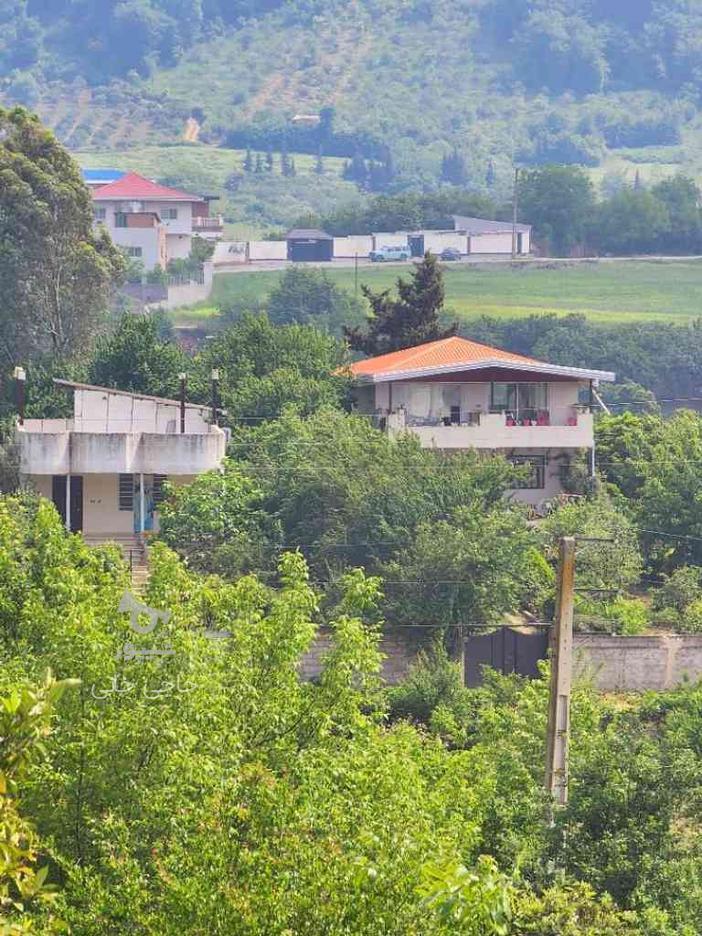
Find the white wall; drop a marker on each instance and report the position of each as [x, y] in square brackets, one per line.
[102, 411]
[147, 238]
[436, 241]
[268, 250]
[390, 239]
[178, 246]
[497, 243]
[355, 245]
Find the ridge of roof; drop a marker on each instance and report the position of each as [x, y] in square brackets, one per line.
[133, 185]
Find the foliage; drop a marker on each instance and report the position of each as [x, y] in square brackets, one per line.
[265, 368]
[558, 201]
[136, 357]
[25, 725]
[56, 273]
[307, 296]
[410, 319]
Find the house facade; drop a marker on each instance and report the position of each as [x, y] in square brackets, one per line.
[457, 394]
[151, 222]
[493, 237]
[105, 468]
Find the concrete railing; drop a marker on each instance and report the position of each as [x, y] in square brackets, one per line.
[62, 453]
[491, 430]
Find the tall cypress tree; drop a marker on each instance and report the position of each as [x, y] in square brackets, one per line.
[410, 318]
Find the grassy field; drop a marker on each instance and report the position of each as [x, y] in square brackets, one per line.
[604, 291]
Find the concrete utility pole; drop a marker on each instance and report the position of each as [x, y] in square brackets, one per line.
[558, 728]
[515, 213]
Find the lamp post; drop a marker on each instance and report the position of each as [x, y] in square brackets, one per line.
[183, 377]
[20, 376]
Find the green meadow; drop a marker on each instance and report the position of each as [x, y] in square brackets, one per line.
[604, 291]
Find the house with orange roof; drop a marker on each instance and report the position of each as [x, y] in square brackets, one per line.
[150, 222]
[458, 394]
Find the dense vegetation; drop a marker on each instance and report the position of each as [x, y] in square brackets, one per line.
[408, 86]
[219, 792]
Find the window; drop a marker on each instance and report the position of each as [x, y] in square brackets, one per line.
[158, 493]
[169, 214]
[120, 219]
[133, 251]
[535, 479]
[522, 399]
[99, 214]
[126, 492]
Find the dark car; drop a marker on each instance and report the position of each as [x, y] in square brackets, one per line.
[450, 253]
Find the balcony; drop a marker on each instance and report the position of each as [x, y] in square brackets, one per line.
[51, 447]
[209, 228]
[573, 430]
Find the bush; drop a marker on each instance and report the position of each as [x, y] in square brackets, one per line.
[691, 618]
[624, 616]
[680, 589]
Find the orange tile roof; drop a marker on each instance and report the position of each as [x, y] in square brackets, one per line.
[446, 353]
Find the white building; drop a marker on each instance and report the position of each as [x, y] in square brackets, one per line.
[457, 394]
[104, 469]
[492, 237]
[151, 222]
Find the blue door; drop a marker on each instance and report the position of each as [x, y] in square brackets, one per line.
[148, 506]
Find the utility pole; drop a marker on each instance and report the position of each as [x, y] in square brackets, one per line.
[558, 729]
[355, 275]
[515, 213]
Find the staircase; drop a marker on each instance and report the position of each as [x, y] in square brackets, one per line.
[133, 550]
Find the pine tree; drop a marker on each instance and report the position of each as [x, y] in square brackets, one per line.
[637, 181]
[269, 160]
[453, 169]
[284, 160]
[319, 165]
[259, 163]
[408, 319]
[490, 175]
[248, 161]
[293, 170]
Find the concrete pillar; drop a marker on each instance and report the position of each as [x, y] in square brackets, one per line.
[141, 504]
[68, 502]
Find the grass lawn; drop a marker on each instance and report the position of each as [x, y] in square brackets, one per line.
[607, 292]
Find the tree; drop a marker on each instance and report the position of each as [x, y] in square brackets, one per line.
[453, 169]
[411, 318]
[269, 160]
[681, 198]
[632, 221]
[559, 202]
[137, 357]
[248, 160]
[309, 297]
[56, 272]
[258, 168]
[319, 164]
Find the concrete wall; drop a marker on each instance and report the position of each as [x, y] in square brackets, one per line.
[614, 664]
[356, 245]
[102, 411]
[148, 240]
[178, 246]
[491, 243]
[185, 295]
[390, 239]
[268, 250]
[436, 241]
[633, 664]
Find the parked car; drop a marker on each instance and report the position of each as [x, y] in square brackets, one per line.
[389, 253]
[450, 253]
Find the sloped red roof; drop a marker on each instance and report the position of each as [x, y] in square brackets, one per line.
[133, 185]
[453, 354]
[443, 353]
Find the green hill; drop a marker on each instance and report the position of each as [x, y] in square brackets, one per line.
[612, 84]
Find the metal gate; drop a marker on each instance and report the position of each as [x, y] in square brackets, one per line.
[507, 650]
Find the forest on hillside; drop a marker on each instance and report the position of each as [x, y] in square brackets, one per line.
[543, 81]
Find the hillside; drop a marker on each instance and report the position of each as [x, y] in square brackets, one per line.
[611, 85]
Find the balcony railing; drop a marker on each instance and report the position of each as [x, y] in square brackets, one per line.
[572, 429]
[208, 224]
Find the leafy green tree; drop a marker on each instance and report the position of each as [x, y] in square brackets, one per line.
[409, 319]
[631, 221]
[308, 296]
[56, 273]
[559, 201]
[137, 357]
[265, 368]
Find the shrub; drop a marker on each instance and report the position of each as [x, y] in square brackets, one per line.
[691, 618]
[680, 589]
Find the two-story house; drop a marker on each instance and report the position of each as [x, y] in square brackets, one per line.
[105, 467]
[151, 222]
[458, 394]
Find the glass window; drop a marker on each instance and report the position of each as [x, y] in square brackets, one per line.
[170, 214]
[120, 219]
[519, 397]
[126, 492]
[134, 251]
[99, 214]
[535, 479]
[158, 492]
